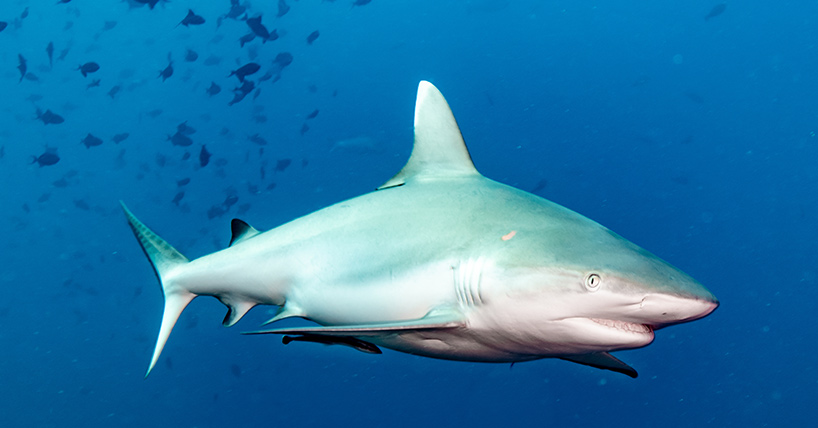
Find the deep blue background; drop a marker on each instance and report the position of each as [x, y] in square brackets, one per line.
[694, 138]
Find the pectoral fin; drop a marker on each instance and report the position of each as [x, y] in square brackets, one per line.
[604, 361]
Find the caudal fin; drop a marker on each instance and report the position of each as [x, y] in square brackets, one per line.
[165, 261]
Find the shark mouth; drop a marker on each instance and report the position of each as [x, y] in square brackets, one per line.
[624, 326]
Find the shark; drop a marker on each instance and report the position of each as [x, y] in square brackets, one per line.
[439, 262]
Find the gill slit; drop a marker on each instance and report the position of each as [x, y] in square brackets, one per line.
[467, 275]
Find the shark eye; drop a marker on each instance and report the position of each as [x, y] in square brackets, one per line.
[592, 281]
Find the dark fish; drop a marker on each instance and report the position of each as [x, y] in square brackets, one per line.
[50, 51]
[242, 91]
[361, 2]
[88, 67]
[280, 62]
[312, 37]
[692, 96]
[186, 156]
[271, 186]
[109, 25]
[94, 83]
[283, 59]
[716, 11]
[150, 3]
[182, 182]
[247, 38]
[304, 129]
[179, 139]
[282, 164]
[334, 340]
[236, 9]
[91, 141]
[119, 162]
[213, 89]
[191, 55]
[283, 8]
[63, 1]
[31, 77]
[63, 53]
[230, 200]
[44, 197]
[191, 19]
[118, 138]
[154, 113]
[313, 114]
[212, 60]
[49, 117]
[114, 90]
[216, 211]
[21, 65]
[236, 370]
[178, 197]
[184, 128]
[48, 158]
[24, 15]
[81, 204]
[258, 139]
[168, 71]
[3, 25]
[204, 156]
[245, 70]
[260, 30]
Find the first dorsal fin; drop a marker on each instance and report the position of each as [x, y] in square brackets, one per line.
[241, 231]
[439, 149]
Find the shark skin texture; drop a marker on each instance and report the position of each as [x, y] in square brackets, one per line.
[440, 262]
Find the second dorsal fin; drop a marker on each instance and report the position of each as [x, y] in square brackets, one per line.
[241, 231]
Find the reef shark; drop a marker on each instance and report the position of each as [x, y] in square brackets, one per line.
[441, 262]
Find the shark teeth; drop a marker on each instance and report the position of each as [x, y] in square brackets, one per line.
[623, 325]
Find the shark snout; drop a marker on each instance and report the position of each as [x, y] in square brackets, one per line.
[662, 310]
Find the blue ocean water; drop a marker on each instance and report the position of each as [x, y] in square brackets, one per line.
[691, 135]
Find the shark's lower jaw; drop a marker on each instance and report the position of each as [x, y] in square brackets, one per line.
[624, 326]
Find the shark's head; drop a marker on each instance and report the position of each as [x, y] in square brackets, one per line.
[575, 287]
